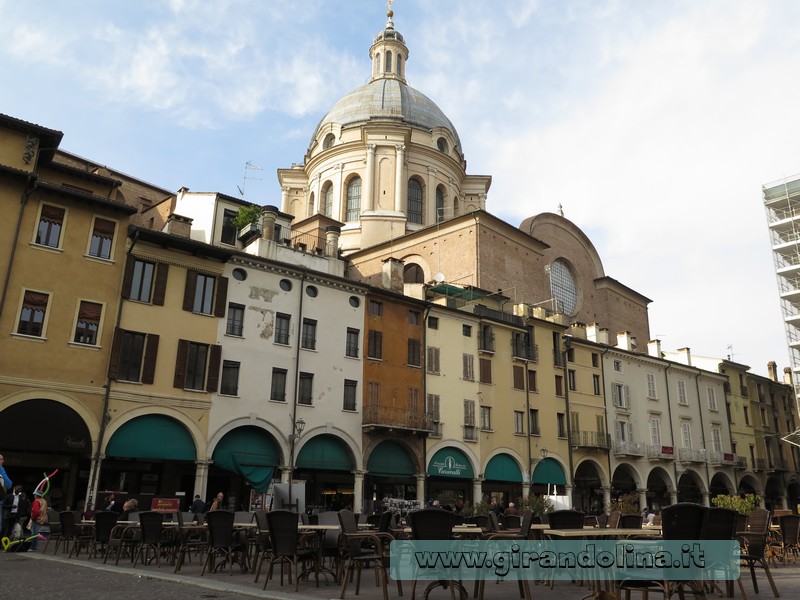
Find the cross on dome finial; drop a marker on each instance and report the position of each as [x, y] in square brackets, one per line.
[389, 14]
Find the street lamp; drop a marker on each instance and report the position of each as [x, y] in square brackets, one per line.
[299, 425]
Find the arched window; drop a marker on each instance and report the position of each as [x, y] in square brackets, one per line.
[310, 209]
[377, 63]
[414, 201]
[328, 141]
[353, 207]
[326, 206]
[455, 206]
[412, 273]
[439, 205]
[400, 65]
[441, 143]
[388, 62]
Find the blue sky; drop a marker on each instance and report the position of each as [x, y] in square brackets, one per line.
[653, 123]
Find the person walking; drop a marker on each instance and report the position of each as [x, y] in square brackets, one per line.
[38, 517]
[6, 485]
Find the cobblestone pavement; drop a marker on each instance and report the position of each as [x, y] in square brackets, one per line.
[34, 574]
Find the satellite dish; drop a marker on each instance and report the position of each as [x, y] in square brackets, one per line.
[439, 277]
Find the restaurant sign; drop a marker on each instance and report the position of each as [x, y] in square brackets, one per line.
[165, 505]
[450, 463]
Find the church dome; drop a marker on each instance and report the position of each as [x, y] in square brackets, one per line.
[387, 99]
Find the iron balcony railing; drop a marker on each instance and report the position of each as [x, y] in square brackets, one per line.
[590, 439]
[760, 464]
[470, 433]
[721, 458]
[741, 462]
[629, 448]
[396, 418]
[660, 452]
[690, 455]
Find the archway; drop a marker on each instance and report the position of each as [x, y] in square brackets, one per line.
[625, 482]
[659, 485]
[391, 474]
[720, 485]
[326, 464]
[774, 493]
[748, 485]
[502, 478]
[587, 494]
[690, 487]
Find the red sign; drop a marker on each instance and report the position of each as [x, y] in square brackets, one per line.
[165, 505]
[729, 457]
[667, 450]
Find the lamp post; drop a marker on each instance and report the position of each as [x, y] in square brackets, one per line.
[299, 425]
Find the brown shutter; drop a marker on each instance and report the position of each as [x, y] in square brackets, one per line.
[220, 302]
[116, 346]
[519, 378]
[212, 383]
[128, 277]
[150, 355]
[180, 364]
[486, 370]
[189, 290]
[162, 269]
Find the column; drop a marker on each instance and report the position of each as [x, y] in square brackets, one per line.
[399, 177]
[606, 497]
[673, 496]
[430, 197]
[369, 179]
[285, 199]
[314, 189]
[201, 478]
[706, 501]
[477, 490]
[421, 489]
[358, 491]
[340, 195]
[285, 474]
[526, 489]
[94, 476]
[642, 498]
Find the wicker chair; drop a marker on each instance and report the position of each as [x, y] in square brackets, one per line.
[754, 552]
[721, 525]
[72, 533]
[788, 544]
[104, 523]
[432, 524]
[364, 549]
[191, 539]
[630, 521]
[152, 529]
[286, 549]
[223, 543]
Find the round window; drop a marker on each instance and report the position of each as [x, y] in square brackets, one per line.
[355, 302]
[286, 285]
[239, 274]
[311, 291]
[563, 287]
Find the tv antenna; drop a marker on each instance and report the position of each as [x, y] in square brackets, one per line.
[248, 166]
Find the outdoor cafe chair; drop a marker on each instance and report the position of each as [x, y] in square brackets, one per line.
[364, 549]
[191, 538]
[223, 543]
[151, 539]
[104, 523]
[286, 548]
[72, 534]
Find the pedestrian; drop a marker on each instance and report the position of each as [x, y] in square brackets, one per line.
[17, 508]
[6, 485]
[38, 517]
[198, 506]
[217, 504]
[131, 505]
[111, 503]
[511, 510]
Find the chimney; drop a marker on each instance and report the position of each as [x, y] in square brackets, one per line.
[625, 341]
[269, 214]
[597, 334]
[392, 277]
[179, 226]
[332, 233]
[787, 376]
[654, 348]
[578, 330]
[685, 356]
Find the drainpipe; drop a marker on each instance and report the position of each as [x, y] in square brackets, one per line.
[671, 430]
[94, 470]
[703, 434]
[567, 343]
[30, 186]
[293, 432]
[608, 431]
[424, 361]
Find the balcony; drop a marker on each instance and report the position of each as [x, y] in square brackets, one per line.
[760, 464]
[437, 429]
[530, 353]
[690, 455]
[721, 459]
[470, 433]
[660, 452]
[741, 463]
[629, 449]
[377, 416]
[778, 464]
[590, 439]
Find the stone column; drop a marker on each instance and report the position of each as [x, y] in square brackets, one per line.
[606, 497]
[358, 491]
[315, 189]
[477, 490]
[673, 496]
[201, 479]
[332, 233]
[285, 199]
[340, 194]
[285, 474]
[642, 498]
[706, 499]
[421, 489]
[369, 179]
[430, 197]
[91, 491]
[399, 177]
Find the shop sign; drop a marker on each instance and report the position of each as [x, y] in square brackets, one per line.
[449, 467]
[165, 505]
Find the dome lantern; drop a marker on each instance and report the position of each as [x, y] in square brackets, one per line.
[388, 52]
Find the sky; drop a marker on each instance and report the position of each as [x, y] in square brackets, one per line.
[653, 124]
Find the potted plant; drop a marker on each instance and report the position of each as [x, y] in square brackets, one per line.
[538, 505]
[626, 504]
[743, 504]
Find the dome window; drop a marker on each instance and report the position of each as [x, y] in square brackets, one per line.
[328, 142]
[563, 287]
[441, 143]
[388, 62]
[414, 202]
[327, 199]
[439, 205]
[353, 207]
[412, 273]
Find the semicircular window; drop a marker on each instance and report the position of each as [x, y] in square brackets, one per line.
[563, 287]
[412, 273]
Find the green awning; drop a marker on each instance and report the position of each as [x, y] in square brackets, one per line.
[152, 436]
[325, 452]
[503, 468]
[549, 471]
[390, 459]
[450, 462]
[249, 452]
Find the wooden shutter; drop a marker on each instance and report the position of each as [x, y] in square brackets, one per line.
[160, 290]
[189, 290]
[215, 358]
[180, 364]
[150, 355]
[220, 302]
[116, 346]
[519, 377]
[127, 279]
[486, 370]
